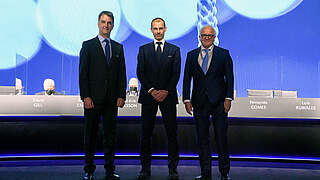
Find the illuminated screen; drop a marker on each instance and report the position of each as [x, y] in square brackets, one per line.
[274, 44]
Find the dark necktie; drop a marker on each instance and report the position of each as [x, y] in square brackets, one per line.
[107, 50]
[158, 51]
[205, 62]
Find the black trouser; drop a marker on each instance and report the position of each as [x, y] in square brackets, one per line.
[220, 123]
[108, 112]
[169, 116]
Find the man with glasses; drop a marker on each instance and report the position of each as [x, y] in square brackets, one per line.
[211, 69]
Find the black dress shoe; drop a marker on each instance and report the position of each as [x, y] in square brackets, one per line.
[143, 175]
[173, 175]
[208, 177]
[88, 176]
[112, 176]
[225, 177]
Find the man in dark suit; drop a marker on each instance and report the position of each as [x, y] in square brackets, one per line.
[211, 69]
[158, 71]
[102, 79]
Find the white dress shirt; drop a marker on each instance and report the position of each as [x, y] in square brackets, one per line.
[202, 54]
[155, 49]
[103, 44]
[156, 45]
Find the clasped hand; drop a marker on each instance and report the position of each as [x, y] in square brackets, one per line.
[159, 95]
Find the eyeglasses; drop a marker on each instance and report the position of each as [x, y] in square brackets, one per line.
[207, 36]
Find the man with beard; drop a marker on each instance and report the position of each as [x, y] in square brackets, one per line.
[158, 71]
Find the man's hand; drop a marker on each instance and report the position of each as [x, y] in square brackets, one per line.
[88, 103]
[154, 93]
[188, 107]
[161, 95]
[120, 102]
[227, 105]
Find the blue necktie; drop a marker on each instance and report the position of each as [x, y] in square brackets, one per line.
[205, 62]
[107, 50]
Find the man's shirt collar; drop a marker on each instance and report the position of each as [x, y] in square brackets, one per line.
[101, 38]
[155, 41]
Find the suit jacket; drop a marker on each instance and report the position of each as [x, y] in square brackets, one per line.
[160, 75]
[97, 79]
[216, 84]
[53, 93]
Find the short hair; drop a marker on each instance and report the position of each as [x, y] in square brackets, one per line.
[158, 19]
[208, 26]
[48, 83]
[108, 13]
[133, 82]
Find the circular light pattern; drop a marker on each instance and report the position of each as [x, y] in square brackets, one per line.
[262, 9]
[66, 24]
[124, 31]
[224, 12]
[19, 31]
[180, 15]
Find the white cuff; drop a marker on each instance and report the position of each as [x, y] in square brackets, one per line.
[150, 90]
[187, 100]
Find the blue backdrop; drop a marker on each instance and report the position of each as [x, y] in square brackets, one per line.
[270, 51]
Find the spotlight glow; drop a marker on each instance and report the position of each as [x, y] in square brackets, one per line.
[262, 9]
[66, 24]
[180, 15]
[19, 31]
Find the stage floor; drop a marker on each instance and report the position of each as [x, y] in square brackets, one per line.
[127, 169]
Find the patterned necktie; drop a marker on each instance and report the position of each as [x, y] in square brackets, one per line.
[107, 50]
[205, 62]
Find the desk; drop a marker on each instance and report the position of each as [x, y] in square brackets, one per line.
[39, 105]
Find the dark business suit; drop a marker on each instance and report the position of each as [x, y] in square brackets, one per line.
[161, 74]
[208, 95]
[104, 83]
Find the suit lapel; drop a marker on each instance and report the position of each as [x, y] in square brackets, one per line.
[99, 48]
[213, 58]
[152, 50]
[153, 58]
[165, 51]
[113, 51]
[197, 65]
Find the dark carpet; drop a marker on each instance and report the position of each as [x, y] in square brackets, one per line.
[128, 169]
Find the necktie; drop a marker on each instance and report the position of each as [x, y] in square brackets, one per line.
[205, 62]
[107, 50]
[158, 52]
